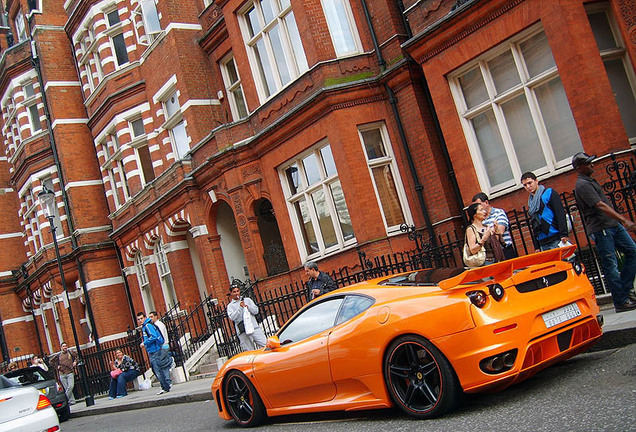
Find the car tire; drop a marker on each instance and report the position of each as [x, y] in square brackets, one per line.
[419, 378]
[64, 414]
[242, 400]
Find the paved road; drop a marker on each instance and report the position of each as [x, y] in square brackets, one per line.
[592, 392]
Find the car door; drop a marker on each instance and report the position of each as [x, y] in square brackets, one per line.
[298, 373]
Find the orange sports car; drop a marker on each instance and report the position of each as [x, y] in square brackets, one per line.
[416, 340]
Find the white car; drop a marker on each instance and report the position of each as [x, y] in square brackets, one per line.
[25, 409]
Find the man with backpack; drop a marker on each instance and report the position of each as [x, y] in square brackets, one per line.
[549, 220]
[160, 359]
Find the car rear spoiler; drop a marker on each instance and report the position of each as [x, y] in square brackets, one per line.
[505, 269]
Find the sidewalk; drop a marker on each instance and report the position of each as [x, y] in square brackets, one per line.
[618, 330]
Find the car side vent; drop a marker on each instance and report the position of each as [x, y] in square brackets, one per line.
[542, 282]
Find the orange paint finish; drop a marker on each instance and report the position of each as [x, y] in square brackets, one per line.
[398, 332]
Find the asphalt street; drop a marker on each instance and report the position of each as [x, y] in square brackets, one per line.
[591, 392]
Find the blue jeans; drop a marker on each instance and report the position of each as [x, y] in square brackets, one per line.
[607, 243]
[118, 386]
[551, 245]
[161, 362]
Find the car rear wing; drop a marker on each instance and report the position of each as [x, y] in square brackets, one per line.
[503, 270]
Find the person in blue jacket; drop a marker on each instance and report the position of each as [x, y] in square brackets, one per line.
[160, 359]
[549, 220]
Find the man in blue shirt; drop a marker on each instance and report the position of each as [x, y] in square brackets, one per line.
[160, 359]
[549, 220]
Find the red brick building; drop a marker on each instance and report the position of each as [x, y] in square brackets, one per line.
[189, 143]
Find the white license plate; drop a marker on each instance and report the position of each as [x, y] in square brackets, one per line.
[561, 315]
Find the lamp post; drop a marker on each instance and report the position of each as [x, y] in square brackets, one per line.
[47, 202]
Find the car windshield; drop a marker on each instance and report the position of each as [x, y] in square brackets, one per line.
[27, 376]
[426, 277]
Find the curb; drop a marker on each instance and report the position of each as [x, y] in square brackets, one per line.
[615, 339]
[196, 397]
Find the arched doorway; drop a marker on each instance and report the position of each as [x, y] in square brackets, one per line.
[231, 247]
[273, 250]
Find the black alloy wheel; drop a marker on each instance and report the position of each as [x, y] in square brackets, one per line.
[419, 378]
[242, 400]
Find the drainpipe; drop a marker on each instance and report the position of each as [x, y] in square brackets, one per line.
[35, 60]
[438, 129]
[419, 189]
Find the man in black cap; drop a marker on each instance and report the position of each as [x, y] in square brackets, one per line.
[609, 236]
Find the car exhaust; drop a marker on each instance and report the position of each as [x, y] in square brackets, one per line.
[498, 363]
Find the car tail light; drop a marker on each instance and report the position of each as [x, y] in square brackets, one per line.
[478, 298]
[53, 429]
[578, 268]
[496, 291]
[43, 402]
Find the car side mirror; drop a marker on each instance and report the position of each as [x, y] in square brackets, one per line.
[273, 342]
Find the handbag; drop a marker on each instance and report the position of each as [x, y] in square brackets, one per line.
[115, 373]
[473, 260]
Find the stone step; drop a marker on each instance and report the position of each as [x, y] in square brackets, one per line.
[207, 368]
[208, 375]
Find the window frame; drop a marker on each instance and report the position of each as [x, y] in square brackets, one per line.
[305, 193]
[114, 167]
[295, 66]
[173, 121]
[387, 160]
[139, 142]
[355, 36]
[232, 87]
[20, 26]
[618, 53]
[142, 279]
[150, 36]
[114, 30]
[165, 274]
[494, 103]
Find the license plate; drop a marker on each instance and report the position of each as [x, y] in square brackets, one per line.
[561, 315]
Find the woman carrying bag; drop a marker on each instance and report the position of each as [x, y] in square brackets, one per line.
[124, 369]
[481, 246]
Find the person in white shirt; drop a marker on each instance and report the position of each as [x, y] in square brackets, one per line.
[235, 311]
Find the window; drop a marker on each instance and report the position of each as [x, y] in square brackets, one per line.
[144, 285]
[176, 126]
[34, 5]
[233, 88]
[20, 27]
[31, 106]
[384, 174]
[31, 219]
[341, 27]
[617, 65]
[169, 294]
[515, 112]
[140, 144]
[353, 306]
[311, 321]
[316, 203]
[115, 31]
[90, 62]
[114, 167]
[147, 10]
[274, 44]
